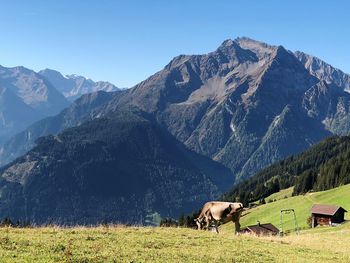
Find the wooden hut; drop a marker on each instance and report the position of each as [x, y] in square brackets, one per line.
[327, 215]
[261, 229]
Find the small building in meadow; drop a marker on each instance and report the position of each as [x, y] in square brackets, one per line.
[326, 215]
[261, 229]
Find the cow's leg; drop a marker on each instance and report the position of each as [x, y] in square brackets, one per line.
[208, 219]
[198, 223]
[237, 227]
[207, 223]
[216, 223]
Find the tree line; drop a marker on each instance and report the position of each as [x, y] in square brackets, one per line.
[324, 166]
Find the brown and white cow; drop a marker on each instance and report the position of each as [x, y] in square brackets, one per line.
[219, 212]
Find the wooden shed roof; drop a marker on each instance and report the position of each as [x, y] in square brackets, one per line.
[325, 209]
[260, 229]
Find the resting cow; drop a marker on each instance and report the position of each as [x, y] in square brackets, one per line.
[219, 212]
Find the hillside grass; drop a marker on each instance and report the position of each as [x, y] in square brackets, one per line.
[270, 212]
[285, 193]
[146, 244]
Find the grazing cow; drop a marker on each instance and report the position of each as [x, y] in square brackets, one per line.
[219, 212]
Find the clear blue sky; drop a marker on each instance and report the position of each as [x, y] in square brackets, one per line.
[126, 41]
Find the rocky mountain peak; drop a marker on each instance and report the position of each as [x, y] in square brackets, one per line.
[229, 44]
[73, 86]
[225, 104]
[32, 89]
[261, 49]
[51, 72]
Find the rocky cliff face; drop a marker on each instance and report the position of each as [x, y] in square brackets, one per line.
[324, 71]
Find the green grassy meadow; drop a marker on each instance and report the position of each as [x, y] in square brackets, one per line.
[146, 244]
[280, 195]
[270, 212]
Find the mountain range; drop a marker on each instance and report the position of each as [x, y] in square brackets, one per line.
[244, 106]
[73, 86]
[27, 96]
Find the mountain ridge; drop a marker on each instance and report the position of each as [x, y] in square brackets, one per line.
[35, 98]
[73, 86]
[235, 88]
[32, 89]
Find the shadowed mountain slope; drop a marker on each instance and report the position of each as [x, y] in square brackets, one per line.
[123, 168]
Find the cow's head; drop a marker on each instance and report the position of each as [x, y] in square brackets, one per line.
[199, 222]
[236, 207]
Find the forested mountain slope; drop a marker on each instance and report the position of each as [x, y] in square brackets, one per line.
[324, 166]
[120, 169]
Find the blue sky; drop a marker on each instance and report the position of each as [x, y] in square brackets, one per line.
[126, 41]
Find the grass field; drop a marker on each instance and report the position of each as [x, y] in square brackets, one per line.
[270, 212]
[146, 244]
[137, 244]
[280, 195]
